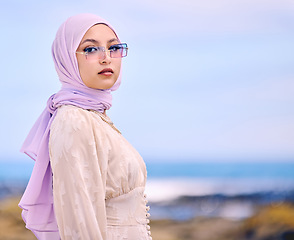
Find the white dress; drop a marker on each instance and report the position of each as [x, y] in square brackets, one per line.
[98, 179]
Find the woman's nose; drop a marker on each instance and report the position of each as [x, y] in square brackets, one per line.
[105, 57]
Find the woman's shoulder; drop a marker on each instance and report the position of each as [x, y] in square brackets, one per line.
[72, 117]
[71, 110]
[70, 113]
[74, 126]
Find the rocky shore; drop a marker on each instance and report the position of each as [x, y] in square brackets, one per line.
[270, 222]
[12, 226]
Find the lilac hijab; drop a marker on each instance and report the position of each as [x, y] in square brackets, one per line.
[37, 200]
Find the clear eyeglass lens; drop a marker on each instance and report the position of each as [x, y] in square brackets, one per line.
[98, 53]
[118, 50]
[115, 51]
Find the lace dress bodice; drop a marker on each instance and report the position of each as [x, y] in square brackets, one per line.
[98, 179]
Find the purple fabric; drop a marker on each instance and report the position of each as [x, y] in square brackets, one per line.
[37, 200]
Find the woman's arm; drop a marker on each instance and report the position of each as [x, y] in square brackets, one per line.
[79, 177]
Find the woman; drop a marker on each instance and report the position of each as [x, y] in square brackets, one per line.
[88, 181]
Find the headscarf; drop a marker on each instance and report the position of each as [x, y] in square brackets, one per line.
[37, 200]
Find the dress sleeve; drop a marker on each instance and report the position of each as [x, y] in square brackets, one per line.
[79, 169]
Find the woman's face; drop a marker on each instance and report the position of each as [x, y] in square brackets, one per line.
[98, 73]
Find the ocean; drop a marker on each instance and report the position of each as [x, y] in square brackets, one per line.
[176, 179]
[183, 190]
[235, 190]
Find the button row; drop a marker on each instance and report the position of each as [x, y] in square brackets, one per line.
[147, 216]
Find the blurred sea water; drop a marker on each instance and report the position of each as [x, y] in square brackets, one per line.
[180, 169]
[182, 190]
[236, 169]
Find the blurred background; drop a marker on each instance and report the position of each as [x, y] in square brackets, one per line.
[206, 98]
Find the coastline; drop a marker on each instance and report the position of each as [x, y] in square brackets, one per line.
[269, 222]
[12, 226]
[218, 206]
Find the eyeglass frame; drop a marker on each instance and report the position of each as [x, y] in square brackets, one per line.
[103, 49]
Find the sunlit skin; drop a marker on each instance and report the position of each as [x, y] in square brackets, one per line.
[90, 70]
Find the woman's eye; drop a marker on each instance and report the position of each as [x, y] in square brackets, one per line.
[90, 49]
[115, 48]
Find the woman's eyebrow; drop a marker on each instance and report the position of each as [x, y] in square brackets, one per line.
[97, 42]
[90, 40]
[113, 40]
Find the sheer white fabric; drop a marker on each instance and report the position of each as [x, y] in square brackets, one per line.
[98, 179]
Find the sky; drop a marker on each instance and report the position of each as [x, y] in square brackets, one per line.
[204, 80]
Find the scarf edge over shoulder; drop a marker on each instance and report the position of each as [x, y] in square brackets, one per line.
[37, 200]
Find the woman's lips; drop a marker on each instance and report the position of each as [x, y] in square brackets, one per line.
[106, 72]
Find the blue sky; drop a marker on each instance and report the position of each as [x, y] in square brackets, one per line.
[203, 79]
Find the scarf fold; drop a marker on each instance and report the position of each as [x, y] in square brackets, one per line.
[37, 200]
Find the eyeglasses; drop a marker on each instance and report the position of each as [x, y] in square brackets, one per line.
[115, 51]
